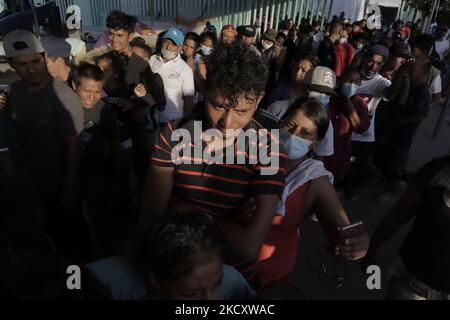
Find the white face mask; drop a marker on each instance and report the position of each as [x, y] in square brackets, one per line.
[342, 40]
[296, 147]
[266, 45]
[205, 50]
[168, 55]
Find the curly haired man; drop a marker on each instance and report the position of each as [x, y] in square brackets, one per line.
[235, 86]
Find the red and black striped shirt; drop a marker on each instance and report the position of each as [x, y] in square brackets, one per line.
[219, 189]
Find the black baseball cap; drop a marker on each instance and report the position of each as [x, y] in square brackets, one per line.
[56, 47]
[247, 31]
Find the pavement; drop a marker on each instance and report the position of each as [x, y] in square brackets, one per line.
[306, 276]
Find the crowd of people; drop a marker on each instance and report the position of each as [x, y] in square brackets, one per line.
[89, 170]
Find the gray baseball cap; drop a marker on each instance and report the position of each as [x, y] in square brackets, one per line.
[271, 35]
[56, 47]
[321, 79]
[21, 43]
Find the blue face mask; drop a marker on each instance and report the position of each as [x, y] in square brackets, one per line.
[321, 97]
[360, 46]
[349, 89]
[296, 147]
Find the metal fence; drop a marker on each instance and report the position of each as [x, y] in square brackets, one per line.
[265, 13]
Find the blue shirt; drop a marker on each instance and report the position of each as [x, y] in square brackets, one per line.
[125, 283]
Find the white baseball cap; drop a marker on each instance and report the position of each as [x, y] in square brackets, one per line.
[21, 43]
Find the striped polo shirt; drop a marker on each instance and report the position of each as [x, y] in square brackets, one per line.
[219, 189]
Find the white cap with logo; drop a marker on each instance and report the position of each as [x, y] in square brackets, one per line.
[321, 79]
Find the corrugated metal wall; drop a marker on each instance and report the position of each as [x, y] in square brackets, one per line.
[237, 12]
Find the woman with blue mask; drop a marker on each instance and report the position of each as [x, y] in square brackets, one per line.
[308, 191]
[348, 113]
[208, 41]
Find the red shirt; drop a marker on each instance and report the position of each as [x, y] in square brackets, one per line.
[339, 162]
[344, 57]
[278, 253]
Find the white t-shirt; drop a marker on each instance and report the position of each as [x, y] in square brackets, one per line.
[326, 147]
[178, 80]
[372, 90]
[434, 81]
[442, 48]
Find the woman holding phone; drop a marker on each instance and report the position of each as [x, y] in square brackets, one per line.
[308, 191]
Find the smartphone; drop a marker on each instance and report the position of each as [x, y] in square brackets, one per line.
[351, 227]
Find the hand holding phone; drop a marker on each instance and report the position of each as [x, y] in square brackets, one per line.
[353, 241]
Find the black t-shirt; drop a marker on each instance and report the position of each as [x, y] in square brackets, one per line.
[327, 53]
[44, 120]
[133, 70]
[100, 131]
[417, 106]
[123, 118]
[9, 142]
[426, 250]
[137, 71]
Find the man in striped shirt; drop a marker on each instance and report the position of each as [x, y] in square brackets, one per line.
[222, 189]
